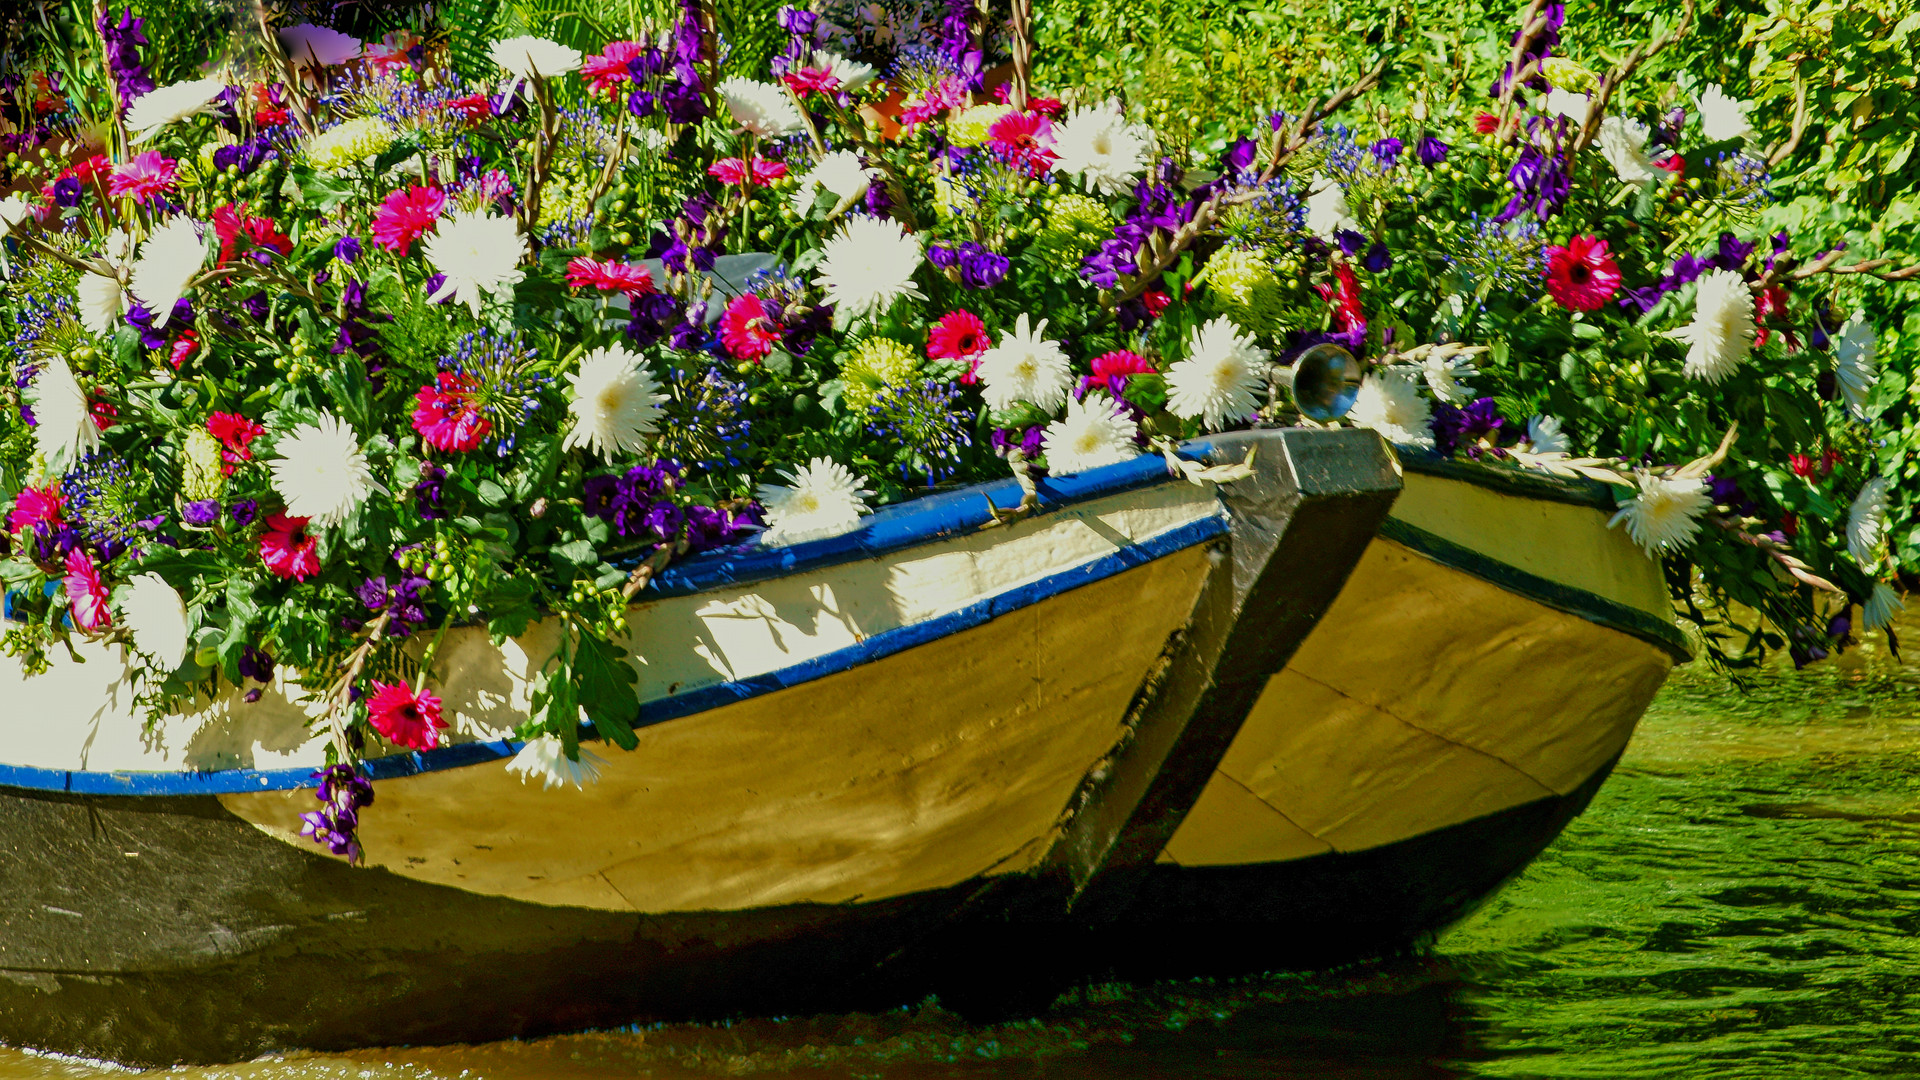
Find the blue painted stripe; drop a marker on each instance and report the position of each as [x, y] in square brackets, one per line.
[882, 644]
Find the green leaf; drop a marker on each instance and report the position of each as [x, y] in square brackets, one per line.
[607, 690]
[576, 554]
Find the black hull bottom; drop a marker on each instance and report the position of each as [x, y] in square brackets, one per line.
[165, 930]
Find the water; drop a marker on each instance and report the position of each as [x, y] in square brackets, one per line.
[1741, 900]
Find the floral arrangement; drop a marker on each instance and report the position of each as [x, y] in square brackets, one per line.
[310, 364]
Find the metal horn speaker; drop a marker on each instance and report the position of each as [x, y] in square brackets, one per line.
[1326, 380]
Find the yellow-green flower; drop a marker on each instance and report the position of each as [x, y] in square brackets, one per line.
[1248, 289]
[202, 476]
[970, 128]
[349, 144]
[1075, 226]
[875, 363]
[1568, 75]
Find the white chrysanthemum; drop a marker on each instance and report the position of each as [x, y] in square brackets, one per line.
[616, 403]
[1867, 522]
[1101, 148]
[868, 265]
[156, 616]
[1567, 103]
[156, 109]
[1882, 607]
[1095, 432]
[840, 174]
[850, 74]
[169, 261]
[529, 57]
[14, 209]
[546, 758]
[762, 108]
[1624, 144]
[1546, 436]
[1327, 211]
[308, 45]
[1389, 404]
[479, 253]
[1446, 376]
[1722, 332]
[1853, 354]
[820, 499]
[1026, 366]
[64, 430]
[1723, 117]
[1220, 380]
[321, 472]
[1666, 513]
[101, 303]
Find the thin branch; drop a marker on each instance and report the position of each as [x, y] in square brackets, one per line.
[1597, 109]
[1800, 117]
[1022, 54]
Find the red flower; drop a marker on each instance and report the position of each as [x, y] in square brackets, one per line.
[445, 415]
[1486, 123]
[229, 224]
[607, 72]
[1770, 303]
[405, 717]
[144, 178]
[733, 171]
[1344, 294]
[103, 413]
[407, 215]
[1674, 164]
[236, 434]
[804, 81]
[747, 331]
[473, 106]
[183, 347]
[1049, 107]
[86, 597]
[34, 506]
[1790, 524]
[959, 335]
[287, 549]
[1156, 301]
[1582, 276]
[1025, 139]
[92, 168]
[609, 276]
[1801, 464]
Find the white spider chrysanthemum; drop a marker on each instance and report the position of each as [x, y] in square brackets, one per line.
[1389, 403]
[840, 174]
[1546, 436]
[1721, 334]
[307, 45]
[64, 430]
[1101, 148]
[1624, 144]
[616, 403]
[1327, 211]
[1220, 380]
[820, 499]
[156, 109]
[1853, 354]
[1567, 103]
[1867, 522]
[1723, 117]
[1880, 609]
[1095, 432]
[529, 57]
[868, 265]
[546, 758]
[762, 108]
[102, 302]
[321, 472]
[479, 253]
[1025, 366]
[156, 617]
[169, 261]
[1446, 376]
[1666, 513]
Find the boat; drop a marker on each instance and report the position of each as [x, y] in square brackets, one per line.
[1155, 728]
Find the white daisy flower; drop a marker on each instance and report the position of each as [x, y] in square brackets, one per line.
[1095, 432]
[1853, 354]
[1722, 331]
[850, 74]
[1101, 148]
[102, 302]
[1867, 522]
[1220, 380]
[156, 617]
[1723, 117]
[616, 403]
[321, 472]
[1026, 366]
[546, 758]
[169, 261]
[1571, 105]
[1882, 607]
[1666, 514]
[14, 209]
[1327, 211]
[1446, 375]
[1624, 144]
[308, 45]
[529, 57]
[479, 253]
[1545, 435]
[1389, 404]
[64, 430]
[868, 265]
[156, 109]
[840, 174]
[820, 499]
[762, 108]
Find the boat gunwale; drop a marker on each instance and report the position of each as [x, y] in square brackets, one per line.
[1509, 480]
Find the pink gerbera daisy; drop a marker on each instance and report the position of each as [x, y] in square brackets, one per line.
[733, 171]
[747, 331]
[804, 81]
[1025, 139]
[406, 216]
[1582, 276]
[287, 549]
[609, 276]
[147, 176]
[608, 72]
[959, 335]
[404, 716]
[445, 415]
[86, 597]
[35, 505]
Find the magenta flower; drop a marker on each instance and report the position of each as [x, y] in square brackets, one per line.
[143, 179]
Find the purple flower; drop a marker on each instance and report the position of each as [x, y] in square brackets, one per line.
[1378, 258]
[1387, 152]
[1030, 441]
[123, 40]
[256, 664]
[709, 527]
[347, 249]
[201, 514]
[405, 599]
[1350, 241]
[243, 512]
[66, 191]
[1432, 151]
[342, 792]
[1454, 427]
[426, 493]
[1732, 254]
[978, 267]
